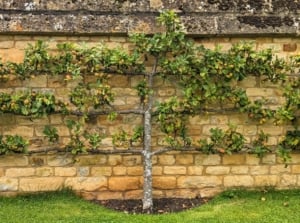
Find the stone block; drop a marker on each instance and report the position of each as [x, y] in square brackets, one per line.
[288, 181]
[195, 170]
[164, 182]
[135, 171]
[235, 159]
[107, 195]
[210, 192]
[101, 171]
[133, 194]
[6, 44]
[269, 159]
[259, 170]
[34, 184]
[86, 183]
[1, 172]
[132, 160]
[89, 160]
[238, 181]
[119, 170]
[8, 184]
[11, 161]
[44, 171]
[271, 130]
[217, 170]
[60, 160]
[239, 170]
[83, 171]
[219, 119]
[174, 170]
[184, 159]
[123, 183]
[279, 169]
[296, 169]
[114, 160]
[207, 159]
[182, 193]
[166, 159]
[199, 181]
[252, 160]
[19, 172]
[266, 181]
[7, 119]
[65, 171]
[157, 170]
[24, 131]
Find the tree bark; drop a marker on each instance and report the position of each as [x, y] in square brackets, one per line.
[147, 150]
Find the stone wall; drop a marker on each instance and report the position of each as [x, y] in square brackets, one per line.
[205, 17]
[268, 23]
[120, 176]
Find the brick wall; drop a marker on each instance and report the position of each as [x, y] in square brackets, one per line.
[120, 176]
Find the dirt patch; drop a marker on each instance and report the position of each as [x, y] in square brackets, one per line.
[160, 206]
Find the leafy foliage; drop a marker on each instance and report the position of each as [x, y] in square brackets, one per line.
[13, 144]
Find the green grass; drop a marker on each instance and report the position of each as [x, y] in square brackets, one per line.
[229, 207]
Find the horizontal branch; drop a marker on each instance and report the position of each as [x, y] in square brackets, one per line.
[122, 112]
[62, 148]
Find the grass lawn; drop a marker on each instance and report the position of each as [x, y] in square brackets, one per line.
[229, 207]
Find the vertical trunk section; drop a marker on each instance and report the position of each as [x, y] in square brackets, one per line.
[147, 150]
[147, 198]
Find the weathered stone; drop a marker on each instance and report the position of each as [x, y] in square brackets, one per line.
[83, 171]
[65, 171]
[182, 193]
[8, 184]
[239, 169]
[184, 159]
[235, 159]
[119, 170]
[279, 169]
[123, 183]
[195, 170]
[288, 181]
[135, 171]
[19, 172]
[164, 182]
[34, 184]
[132, 160]
[200, 17]
[252, 159]
[8, 161]
[217, 170]
[198, 181]
[86, 183]
[107, 195]
[207, 159]
[114, 160]
[166, 159]
[269, 159]
[44, 171]
[101, 171]
[259, 170]
[91, 160]
[133, 194]
[60, 160]
[174, 170]
[266, 181]
[238, 181]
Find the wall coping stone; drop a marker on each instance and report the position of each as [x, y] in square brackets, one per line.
[121, 17]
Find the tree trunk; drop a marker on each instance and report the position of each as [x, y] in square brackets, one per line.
[147, 198]
[147, 151]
